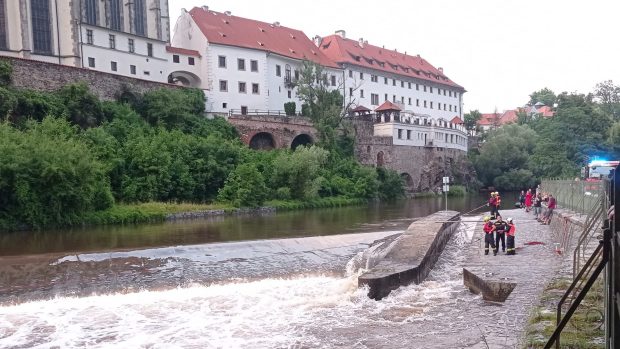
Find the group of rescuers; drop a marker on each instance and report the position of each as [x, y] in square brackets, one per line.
[503, 230]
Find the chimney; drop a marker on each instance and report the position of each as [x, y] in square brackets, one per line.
[341, 33]
[440, 69]
[227, 13]
[317, 40]
[276, 24]
[205, 8]
[361, 42]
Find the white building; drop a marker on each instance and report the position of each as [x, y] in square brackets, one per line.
[125, 37]
[247, 65]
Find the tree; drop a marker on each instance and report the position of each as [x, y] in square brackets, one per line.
[245, 187]
[289, 108]
[178, 108]
[6, 70]
[471, 120]
[82, 107]
[609, 96]
[545, 96]
[299, 171]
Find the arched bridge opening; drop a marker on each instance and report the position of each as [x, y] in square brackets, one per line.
[302, 139]
[184, 78]
[262, 141]
[407, 180]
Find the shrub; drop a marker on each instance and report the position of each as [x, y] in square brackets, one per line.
[289, 108]
[6, 70]
[82, 107]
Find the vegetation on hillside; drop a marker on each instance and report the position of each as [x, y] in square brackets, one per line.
[69, 158]
[584, 127]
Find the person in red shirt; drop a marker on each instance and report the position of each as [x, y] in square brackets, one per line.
[550, 207]
[488, 228]
[510, 237]
[528, 200]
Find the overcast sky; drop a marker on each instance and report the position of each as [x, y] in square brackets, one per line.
[499, 50]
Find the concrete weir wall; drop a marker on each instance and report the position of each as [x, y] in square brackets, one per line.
[412, 255]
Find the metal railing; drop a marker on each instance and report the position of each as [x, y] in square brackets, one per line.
[261, 112]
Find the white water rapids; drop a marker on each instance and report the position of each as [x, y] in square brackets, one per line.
[301, 311]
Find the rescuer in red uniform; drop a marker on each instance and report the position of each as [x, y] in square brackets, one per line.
[488, 236]
[500, 233]
[510, 237]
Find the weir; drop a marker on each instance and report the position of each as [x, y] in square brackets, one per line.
[409, 257]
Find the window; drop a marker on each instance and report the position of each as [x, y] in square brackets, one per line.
[149, 49]
[254, 65]
[409, 100]
[350, 91]
[147, 72]
[278, 70]
[374, 99]
[115, 9]
[91, 62]
[393, 82]
[90, 12]
[431, 105]
[176, 59]
[417, 102]
[385, 81]
[333, 80]
[240, 64]
[112, 41]
[132, 69]
[409, 85]
[393, 98]
[41, 26]
[444, 91]
[445, 106]
[224, 105]
[450, 93]
[223, 86]
[190, 60]
[289, 94]
[361, 93]
[131, 46]
[408, 134]
[296, 74]
[374, 78]
[424, 104]
[89, 36]
[361, 76]
[400, 134]
[431, 87]
[450, 107]
[287, 73]
[244, 110]
[417, 87]
[386, 97]
[113, 66]
[402, 84]
[3, 43]
[424, 88]
[350, 73]
[438, 91]
[255, 89]
[402, 99]
[242, 87]
[139, 15]
[221, 61]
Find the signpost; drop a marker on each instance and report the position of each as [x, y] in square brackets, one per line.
[446, 189]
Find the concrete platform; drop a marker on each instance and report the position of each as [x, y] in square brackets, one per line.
[412, 255]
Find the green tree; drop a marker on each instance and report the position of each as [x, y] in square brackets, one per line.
[299, 171]
[245, 187]
[6, 71]
[609, 96]
[168, 108]
[391, 186]
[82, 107]
[471, 120]
[545, 96]
[8, 103]
[289, 108]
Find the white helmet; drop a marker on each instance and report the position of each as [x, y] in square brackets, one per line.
[509, 219]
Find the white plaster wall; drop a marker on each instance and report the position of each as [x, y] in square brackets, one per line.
[157, 66]
[452, 104]
[457, 139]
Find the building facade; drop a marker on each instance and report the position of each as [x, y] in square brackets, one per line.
[248, 66]
[124, 37]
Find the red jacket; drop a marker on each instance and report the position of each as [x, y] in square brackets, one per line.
[511, 229]
[488, 228]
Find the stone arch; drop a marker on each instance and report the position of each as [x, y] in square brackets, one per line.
[406, 177]
[262, 141]
[380, 159]
[302, 139]
[184, 78]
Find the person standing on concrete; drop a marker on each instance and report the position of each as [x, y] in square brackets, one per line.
[492, 205]
[528, 200]
[488, 228]
[498, 202]
[510, 237]
[500, 233]
[550, 207]
[537, 206]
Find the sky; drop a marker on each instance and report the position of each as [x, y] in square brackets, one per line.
[500, 51]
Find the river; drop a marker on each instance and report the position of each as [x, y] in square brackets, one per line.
[276, 281]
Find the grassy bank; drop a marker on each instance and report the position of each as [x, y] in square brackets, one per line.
[584, 330]
[157, 211]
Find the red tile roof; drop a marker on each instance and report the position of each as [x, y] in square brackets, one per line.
[349, 51]
[546, 111]
[456, 120]
[223, 29]
[387, 106]
[182, 51]
[509, 117]
[360, 108]
[489, 119]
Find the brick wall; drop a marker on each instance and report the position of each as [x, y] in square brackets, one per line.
[284, 129]
[42, 76]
